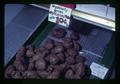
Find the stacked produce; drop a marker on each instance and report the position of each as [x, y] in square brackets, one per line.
[53, 60]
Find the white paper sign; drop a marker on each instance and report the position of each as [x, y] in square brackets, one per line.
[59, 14]
[98, 70]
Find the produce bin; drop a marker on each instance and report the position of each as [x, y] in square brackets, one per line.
[97, 43]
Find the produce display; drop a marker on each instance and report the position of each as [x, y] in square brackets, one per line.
[53, 60]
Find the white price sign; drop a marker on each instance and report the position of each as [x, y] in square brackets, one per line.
[59, 14]
[98, 70]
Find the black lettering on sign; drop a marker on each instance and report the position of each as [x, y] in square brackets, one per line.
[61, 20]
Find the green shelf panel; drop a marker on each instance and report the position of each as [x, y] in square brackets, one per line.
[43, 34]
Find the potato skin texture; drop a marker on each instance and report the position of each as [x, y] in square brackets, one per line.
[9, 70]
[69, 74]
[59, 33]
[53, 60]
[40, 64]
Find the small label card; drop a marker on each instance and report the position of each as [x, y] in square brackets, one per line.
[98, 70]
[59, 14]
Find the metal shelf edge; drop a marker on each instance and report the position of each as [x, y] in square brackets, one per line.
[89, 18]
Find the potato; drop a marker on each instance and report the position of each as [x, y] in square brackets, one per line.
[54, 75]
[80, 69]
[21, 52]
[67, 39]
[68, 45]
[61, 57]
[50, 68]
[53, 59]
[31, 66]
[19, 65]
[39, 50]
[43, 74]
[70, 60]
[35, 57]
[30, 74]
[69, 74]
[59, 33]
[49, 45]
[58, 49]
[17, 75]
[40, 64]
[30, 53]
[72, 52]
[9, 70]
[80, 59]
[77, 46]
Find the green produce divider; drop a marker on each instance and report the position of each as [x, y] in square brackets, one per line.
[36, 32]
[40, 33]
[43, 34]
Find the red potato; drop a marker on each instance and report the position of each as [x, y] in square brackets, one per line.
[50, 68]
[19, 64]
[47, 58]
[80, 59]
[54, 75]
[77, 46]
[61, 67]
[58, 44]
[70, 60]
[59, 33]
[31, 66]
[69, 74]
[39, 50]
[61, 57]
[35, 57]
[21, 53]
[30, 53]
[67, 39]
[43, 74]
[49, 45]
[66, 54]
[45, 53]
[17, 75]
[72, 52]
[13, 73]
[67, 42]
[80, 70]
[30, 74]
[58, 49]
[9, 70]
[68, 45]
[40, 64]
[53, 59]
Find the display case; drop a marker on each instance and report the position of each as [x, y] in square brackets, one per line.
[97, 39]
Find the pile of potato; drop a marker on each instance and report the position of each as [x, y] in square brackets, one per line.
[53, 60]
